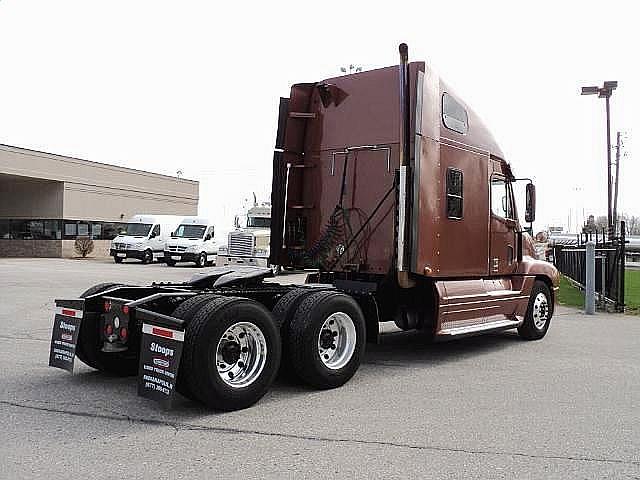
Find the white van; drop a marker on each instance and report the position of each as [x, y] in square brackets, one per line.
[144, 238]
[192, 241]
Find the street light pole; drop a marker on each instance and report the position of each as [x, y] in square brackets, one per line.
[610, 218]
[605, 92]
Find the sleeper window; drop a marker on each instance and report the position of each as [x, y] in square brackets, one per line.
[454, 115]
[454, 194]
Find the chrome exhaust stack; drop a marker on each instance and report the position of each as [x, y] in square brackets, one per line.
[404, 244]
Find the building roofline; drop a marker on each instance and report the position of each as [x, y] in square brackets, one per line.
[30, 151]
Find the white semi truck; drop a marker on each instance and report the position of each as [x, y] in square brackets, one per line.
[249, 245]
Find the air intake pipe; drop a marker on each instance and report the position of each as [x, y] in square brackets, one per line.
[404, 208]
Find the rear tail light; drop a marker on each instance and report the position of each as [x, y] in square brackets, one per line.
[107, 306]
[125, 310]
[123, 333]
[108, 329]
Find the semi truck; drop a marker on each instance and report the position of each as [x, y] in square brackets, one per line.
[392, 189]
[249, 244]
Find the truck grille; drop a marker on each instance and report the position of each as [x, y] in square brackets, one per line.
[176, 248]
[240, 243]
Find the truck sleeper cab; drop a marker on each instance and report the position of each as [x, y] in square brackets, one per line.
[393, 190]
[192, 241]
[144, 238]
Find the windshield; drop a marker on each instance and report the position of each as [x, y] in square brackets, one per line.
[260, 222]
[136, 229]
[190, 231]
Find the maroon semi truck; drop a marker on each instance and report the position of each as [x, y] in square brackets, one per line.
[395, 194]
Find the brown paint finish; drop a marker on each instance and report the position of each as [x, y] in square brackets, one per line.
[342, 147]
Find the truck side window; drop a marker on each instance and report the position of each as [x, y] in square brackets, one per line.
[501, 205]
[454, 193]
[156, 230]
[454, 115]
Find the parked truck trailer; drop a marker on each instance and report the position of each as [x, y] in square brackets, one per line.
[388, 185]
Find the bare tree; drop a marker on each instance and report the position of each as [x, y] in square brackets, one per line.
[83, 246]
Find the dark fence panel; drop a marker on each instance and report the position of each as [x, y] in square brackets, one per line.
[610, 255]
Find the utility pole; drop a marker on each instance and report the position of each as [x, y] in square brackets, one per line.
[605, 92]
[620, 154]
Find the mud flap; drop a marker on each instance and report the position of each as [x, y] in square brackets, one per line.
[64, 337]
[160, 352]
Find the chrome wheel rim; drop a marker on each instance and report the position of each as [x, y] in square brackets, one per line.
[337, 340]
[241, 354]
[540, 311]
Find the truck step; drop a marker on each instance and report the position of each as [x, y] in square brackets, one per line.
[478, 328]
[303, 115]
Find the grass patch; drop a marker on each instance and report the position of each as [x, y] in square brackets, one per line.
[569, 295]
[632, 290]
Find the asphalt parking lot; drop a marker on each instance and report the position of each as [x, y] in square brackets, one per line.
[486, 407]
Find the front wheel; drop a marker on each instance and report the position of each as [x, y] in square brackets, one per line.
[170, 263]
[231, 353]
[326, 339]
[275, 269]
[147, 257]
[117, 259]
[201, 260]
[539, 312]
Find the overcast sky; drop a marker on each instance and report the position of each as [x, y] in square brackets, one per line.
[194, 86]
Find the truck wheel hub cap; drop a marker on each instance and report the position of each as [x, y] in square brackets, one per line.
[337, 340]
[241, 354]
[540, 311]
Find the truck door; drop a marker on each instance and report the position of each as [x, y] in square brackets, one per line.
[502, 227]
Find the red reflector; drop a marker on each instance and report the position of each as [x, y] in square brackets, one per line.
[107, 306]
[69, 313]
[125, 310]
[162, 332]
[123, 333]
[108, 329]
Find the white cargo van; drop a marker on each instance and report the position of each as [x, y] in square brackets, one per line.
[192, 241]
[144, 238]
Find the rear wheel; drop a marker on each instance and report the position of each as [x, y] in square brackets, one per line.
[231, 353]
[88, 348]
[539, 313]
[283, 312]
[186, 311]
[326, 339]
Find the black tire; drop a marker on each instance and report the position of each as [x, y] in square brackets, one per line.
[117, 259]
[199, 353]
[283, 312]
[276, 269]
[89, 343]
[304, 334]
[147, 257]
[202, 260]
[186, 311]
[170, 263]
[529, 330]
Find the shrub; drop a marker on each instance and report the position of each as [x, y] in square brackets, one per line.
[83, 246]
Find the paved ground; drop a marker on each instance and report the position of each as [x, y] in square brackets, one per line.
[486, 407]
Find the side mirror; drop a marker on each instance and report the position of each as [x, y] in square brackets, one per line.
[207, 237]
[153, 235]
[530, 203]
[173, 234]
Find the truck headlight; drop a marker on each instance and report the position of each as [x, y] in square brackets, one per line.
[261, 252]
[192, 248]
[222, 249]
[137, 246]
